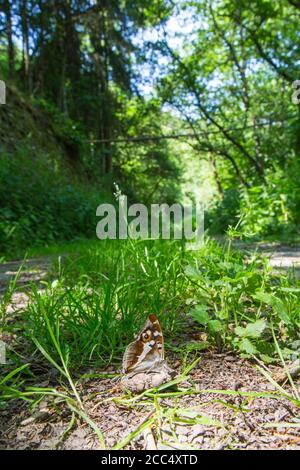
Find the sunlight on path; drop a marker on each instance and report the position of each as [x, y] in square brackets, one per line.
[34, 270]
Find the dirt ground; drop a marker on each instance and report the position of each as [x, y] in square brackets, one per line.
[224, 421]
[239, 422]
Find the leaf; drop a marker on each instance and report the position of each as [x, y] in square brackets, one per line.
[207, 421]
[246, 346]
[192, 272]
[198, 418]
[48, 357]
[197, 346]
[91, 423]
[289, 289]
[264, 297]
[13, 373]
[239, 331]
[215, 326]
[255, 330]
[200, 314]
[138, 430]
[283, 313]
[276, 304]
[267, 359]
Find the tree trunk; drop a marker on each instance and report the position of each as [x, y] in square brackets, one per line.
[216, 176]
[10, 44]
[100, 42]
[106, 117]
[26, 56]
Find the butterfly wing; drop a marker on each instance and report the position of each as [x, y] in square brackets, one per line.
[157, 335]
[142, 354]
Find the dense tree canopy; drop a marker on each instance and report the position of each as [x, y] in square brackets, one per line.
[219, 70]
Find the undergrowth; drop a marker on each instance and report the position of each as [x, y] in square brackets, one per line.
[84, 316]
[41, 204]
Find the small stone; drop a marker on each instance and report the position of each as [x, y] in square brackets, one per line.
[237, 385]
[197, 430]
[269, 387]
[182, 430]
[222, 432]
[38, 416]
[230, 358]
[27, 421]
[198, 440]
[163, 446]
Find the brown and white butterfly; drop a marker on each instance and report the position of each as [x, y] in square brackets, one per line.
[147, 350]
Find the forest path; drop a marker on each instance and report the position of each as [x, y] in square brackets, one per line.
[32, 270]
[282, 257]
[20, 275]
[225, 403]
[35, 270]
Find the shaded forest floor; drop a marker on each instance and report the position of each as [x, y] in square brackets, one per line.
[223, 402]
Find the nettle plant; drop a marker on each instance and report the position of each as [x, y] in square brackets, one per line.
[239, 302]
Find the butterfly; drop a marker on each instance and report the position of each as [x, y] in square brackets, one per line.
[147, 350]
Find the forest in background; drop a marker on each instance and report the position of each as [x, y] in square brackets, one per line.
[163, 101]
[113, 77]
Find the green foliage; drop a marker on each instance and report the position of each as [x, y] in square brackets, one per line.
[63, 126]
[230, 301]
[272, 208]
[223, 212]
[40, 205]
[104, 291]
[235, 95]
[148, 171]
[269, 209]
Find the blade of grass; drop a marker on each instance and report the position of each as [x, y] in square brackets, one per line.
[282, 425]
[91, 423]
[13, 373]
[149, 420]
[286, 370]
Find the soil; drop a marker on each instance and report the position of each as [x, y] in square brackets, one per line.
[239, 421]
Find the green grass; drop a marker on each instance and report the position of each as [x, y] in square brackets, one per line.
[76, 247]
[102, 295]
[103, 291]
